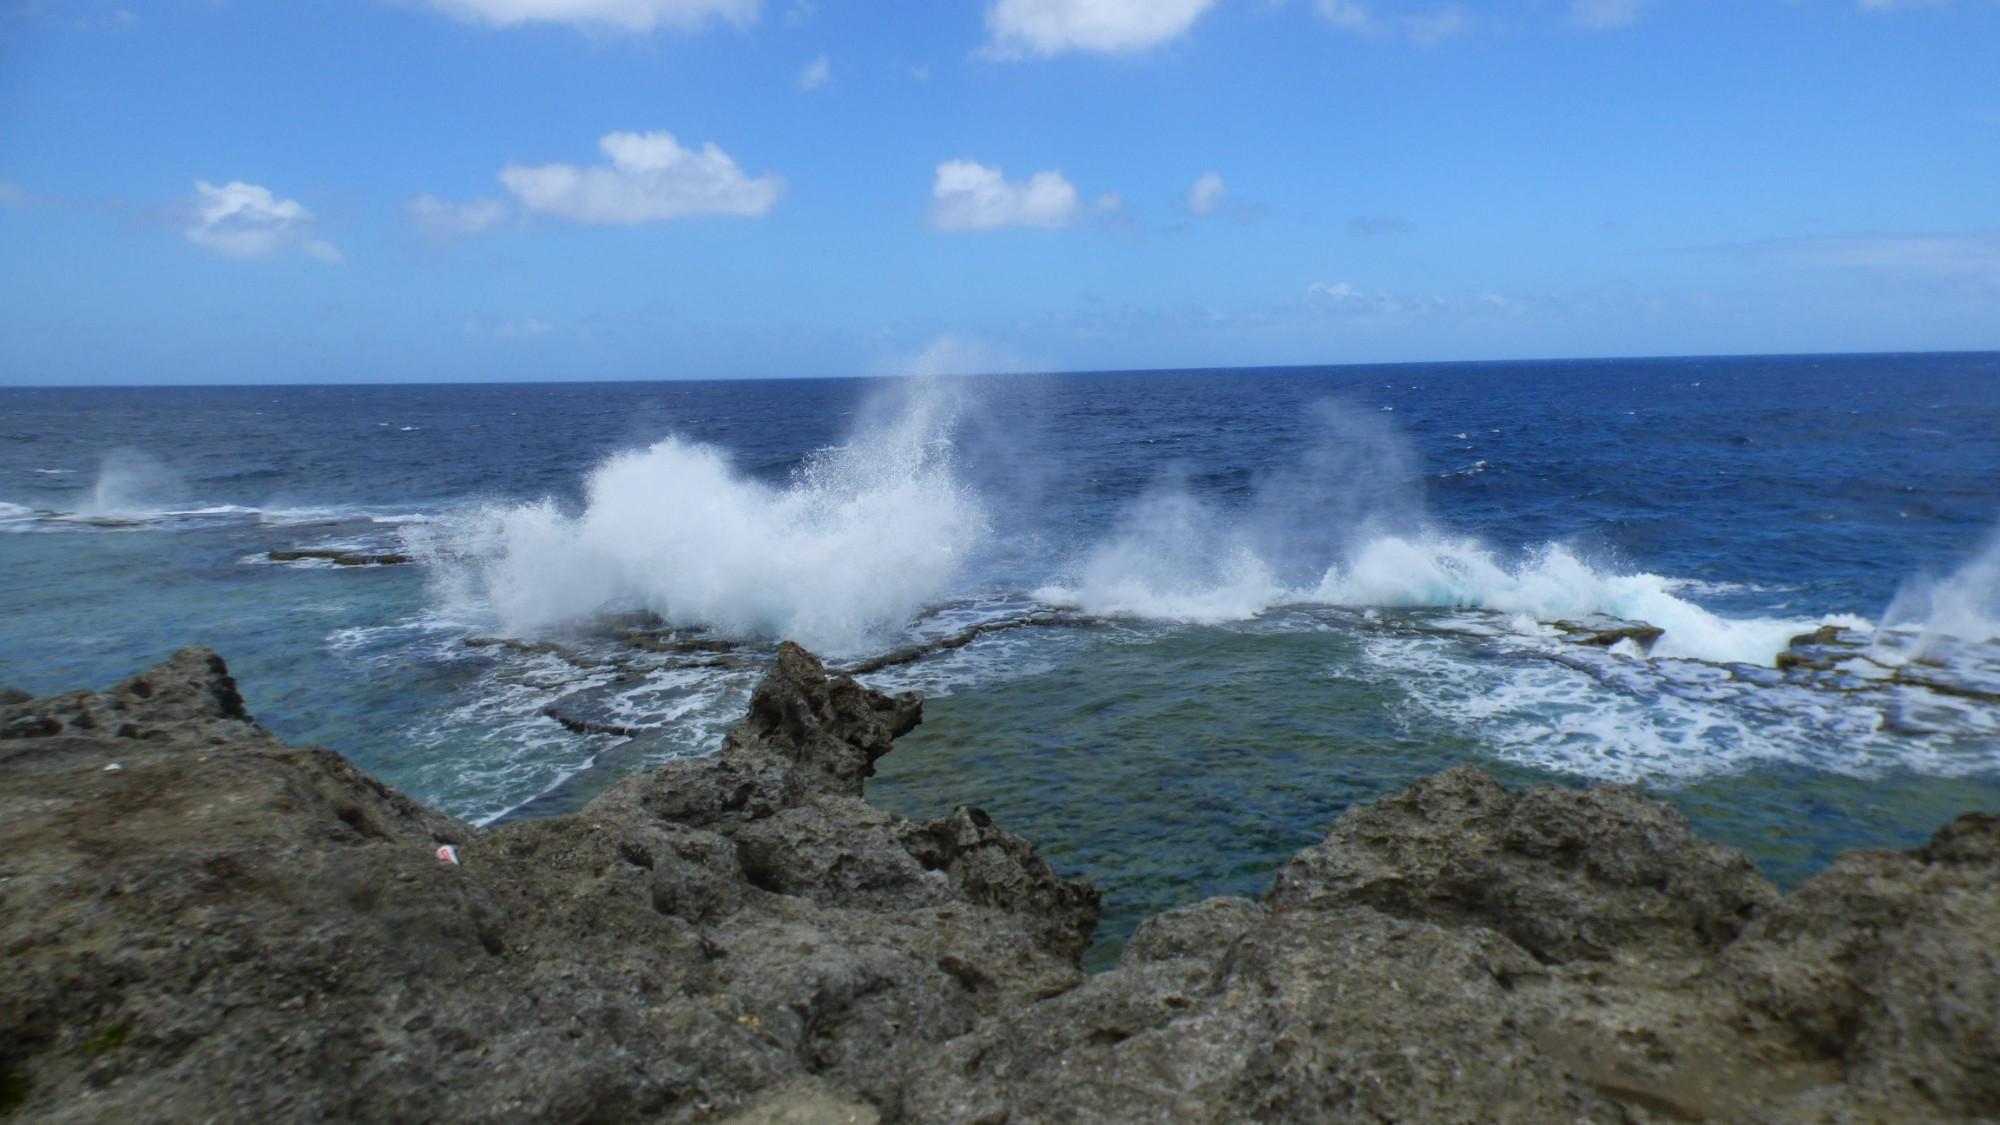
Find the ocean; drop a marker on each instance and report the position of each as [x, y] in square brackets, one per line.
[1169, 624]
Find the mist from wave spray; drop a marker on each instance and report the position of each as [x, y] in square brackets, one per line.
[862, 536]
[1177, 555]
[1345, 524]
[131, 484]
[1964, 606]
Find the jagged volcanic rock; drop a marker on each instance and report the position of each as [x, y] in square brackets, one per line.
[226, 928]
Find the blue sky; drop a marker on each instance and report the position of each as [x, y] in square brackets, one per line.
[433, 190]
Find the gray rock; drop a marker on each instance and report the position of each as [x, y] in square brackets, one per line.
[1565, 873]
[1459, 952]
[228, 928]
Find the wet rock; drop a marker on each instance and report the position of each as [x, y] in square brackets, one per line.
[1603, 632]
[910, 654]
[576, 724]
[536, 648]
[341, 557]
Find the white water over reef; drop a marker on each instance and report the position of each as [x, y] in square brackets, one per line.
[1347, 526]
[861, 537]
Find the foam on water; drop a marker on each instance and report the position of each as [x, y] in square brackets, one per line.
[862, 536]
[1547, 584]
[1599, 717]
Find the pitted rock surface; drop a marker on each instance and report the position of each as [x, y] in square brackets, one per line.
[226, 928]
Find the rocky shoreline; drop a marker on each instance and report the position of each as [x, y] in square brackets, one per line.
[202, 923]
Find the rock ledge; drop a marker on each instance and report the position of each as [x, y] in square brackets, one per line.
[202, 923]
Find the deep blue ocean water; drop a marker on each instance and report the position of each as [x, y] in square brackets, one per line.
[1237, 601]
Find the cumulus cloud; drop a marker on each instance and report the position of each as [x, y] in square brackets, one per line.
[816, 73]
[624, 15]
[1425, 29]
[968, 195]
[650, 177]
[1207, 194]
[440, 219]
[239, 220]
[1049, 27]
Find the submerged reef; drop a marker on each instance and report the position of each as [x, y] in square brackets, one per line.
[202, 923]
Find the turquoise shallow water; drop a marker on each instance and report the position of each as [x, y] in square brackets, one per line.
[1278, 592]
[1171, 766]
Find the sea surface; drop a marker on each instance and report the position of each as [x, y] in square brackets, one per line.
[1177, 620]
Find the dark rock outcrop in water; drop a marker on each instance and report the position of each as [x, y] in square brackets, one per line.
[223, 927]
[340, 557]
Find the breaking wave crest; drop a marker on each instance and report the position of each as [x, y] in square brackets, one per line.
[860, 538]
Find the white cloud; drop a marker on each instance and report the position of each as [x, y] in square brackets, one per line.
[650, 177]
[1348, 302]
[968, 195]
[437, 218]
[1605, 13]
[11, 196]
[1426, 29]
[816, 73]
[1900, 5]
[1049, 27]
[626, 15]
[239, 220]
[1207, 194]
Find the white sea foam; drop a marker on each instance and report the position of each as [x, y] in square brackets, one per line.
[1667, 721]
[1548, 584]
[862, 537]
